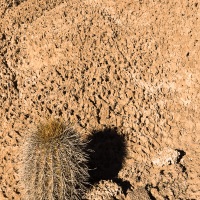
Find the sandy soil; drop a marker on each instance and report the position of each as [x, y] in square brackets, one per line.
[124, 68]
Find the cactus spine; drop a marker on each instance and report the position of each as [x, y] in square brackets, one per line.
[54, 163]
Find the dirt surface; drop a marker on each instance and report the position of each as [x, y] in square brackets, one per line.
[126, 67]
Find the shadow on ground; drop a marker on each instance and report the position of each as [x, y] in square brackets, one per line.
[107, 151]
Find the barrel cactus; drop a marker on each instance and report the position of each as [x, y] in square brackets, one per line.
[54, 163]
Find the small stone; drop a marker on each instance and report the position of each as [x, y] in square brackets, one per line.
[137, 194]
[167, 156]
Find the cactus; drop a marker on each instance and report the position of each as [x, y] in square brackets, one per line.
[54, 163]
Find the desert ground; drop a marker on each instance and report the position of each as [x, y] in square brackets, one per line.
[125, 73]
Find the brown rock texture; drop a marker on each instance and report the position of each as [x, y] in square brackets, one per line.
[126, 65]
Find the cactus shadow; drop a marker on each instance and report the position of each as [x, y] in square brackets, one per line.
[107, 151]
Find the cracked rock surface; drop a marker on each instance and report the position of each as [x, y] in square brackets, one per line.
[130, 66]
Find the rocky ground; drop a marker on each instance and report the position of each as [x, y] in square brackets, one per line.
[124, 70]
